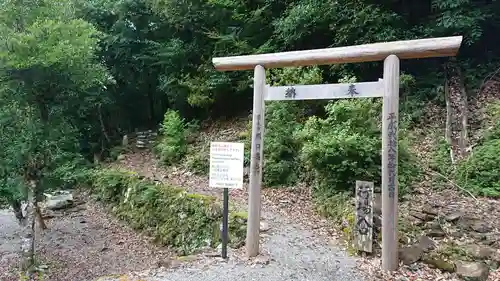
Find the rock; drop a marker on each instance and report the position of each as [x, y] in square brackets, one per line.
[42, 267]
[120, 157]
[480, 226]
[434, 225]
[188, 258]
[164, 263]
[475, 224]
[262, 259]
[430, 211]
[75, 209]
[426, 243]
[421, 216]
[410, 254]
[60, 201]
[438, 263]
[490, 238]
[436, 233]
[473, 271]
[264, 226]
[415, 221]
[480, 252]
[212, 254]
[496, 257]
[456, 233]
[49, 214]
[454, 216]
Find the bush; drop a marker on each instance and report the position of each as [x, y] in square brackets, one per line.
[345, 146]
[340, 209]
[198, 159]
[492, 121]
[111, 185]
[479, 173]
[283, 120]
[281, 148]
[441, 160]
[183, 221]
[116, 151]
[173, 144]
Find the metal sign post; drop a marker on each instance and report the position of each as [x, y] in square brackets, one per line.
[226, 171]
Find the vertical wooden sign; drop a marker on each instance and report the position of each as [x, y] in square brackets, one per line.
[390, 117]
[363, 234]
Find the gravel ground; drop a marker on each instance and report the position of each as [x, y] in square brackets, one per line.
[299, 245]
[10, 245]
[289, 252]
[81, 243]
[86, 242]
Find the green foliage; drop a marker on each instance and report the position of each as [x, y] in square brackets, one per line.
[49, 82]
[441, 160]
[345, 146]
[116, 151]
[77, 75]
[110, 185]
[492, 122]
[283, 121]
[159, 51]
[173, 144]
[183, 221]
[479, 173]
[197, 159]
[280, 145]
[339, 208]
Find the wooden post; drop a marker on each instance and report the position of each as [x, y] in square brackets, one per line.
[253, 227]
[390, 259]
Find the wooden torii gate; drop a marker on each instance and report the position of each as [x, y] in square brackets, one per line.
[387, 88]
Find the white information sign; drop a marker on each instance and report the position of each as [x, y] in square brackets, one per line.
[226, 164]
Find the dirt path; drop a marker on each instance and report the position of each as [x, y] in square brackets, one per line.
[289, 252]
[81, 243]
[299, 245]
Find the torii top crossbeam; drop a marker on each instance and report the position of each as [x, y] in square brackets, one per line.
[409, 49]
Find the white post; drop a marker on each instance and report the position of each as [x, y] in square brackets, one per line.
[390, 259]
[253, 227]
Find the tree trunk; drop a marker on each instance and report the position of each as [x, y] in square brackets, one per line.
[449, 117]
[28, 239]
[464, 139]
[456, 112]
[18, 211]
[39, 217]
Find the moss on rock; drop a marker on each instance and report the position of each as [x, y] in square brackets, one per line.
[183, 221]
